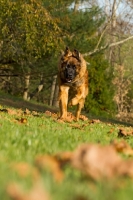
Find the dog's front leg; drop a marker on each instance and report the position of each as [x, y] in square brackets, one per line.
[80, 94]
[63, 101]
[79, 108]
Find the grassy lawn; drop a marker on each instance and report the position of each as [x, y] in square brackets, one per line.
[25, 135]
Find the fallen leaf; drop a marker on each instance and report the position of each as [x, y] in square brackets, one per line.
[54, 115]
[122, 147]
[24, 170]
[64, 158]
[100, 162]
[37, 192]
[111, 131]
[76, 126]
[83, 118]
[67, 119]
[48, 113]
[11, 111]
[95, 160]
[21, 120]
[27, 112]
[122, 132]
[35, 114]
[60, 120]
[52, 164]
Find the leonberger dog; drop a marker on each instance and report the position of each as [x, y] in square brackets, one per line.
[73, 82]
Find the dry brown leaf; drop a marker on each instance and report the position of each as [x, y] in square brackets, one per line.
[21, 120]
[111, 131]
[48, 113]
[11, 111]
[38, 192]
[84, 118]
[24, 170]
[54, 115]
[15, 192]
[71, 117]
[60, 120]
[68, 119]
[76, 126]
[35, 114]
[27, 112]
[123, 147]
[64, 158]
[97, 161]
[17, 112]
[52, 164]
[125, 132]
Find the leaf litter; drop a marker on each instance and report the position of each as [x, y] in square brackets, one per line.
[96, 161]
[124, 132]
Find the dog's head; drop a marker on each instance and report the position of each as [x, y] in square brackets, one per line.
[70, 65]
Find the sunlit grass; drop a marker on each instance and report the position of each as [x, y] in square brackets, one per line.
[25, 136]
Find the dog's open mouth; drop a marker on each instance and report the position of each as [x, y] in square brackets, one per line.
[69, 80]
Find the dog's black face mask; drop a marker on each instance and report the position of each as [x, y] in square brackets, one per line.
[69, 72]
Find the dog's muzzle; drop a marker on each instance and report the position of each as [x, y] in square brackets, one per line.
[69, 74]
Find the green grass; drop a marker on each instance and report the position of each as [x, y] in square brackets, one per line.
[41, 134]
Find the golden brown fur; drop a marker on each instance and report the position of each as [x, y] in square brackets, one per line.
[73, 82]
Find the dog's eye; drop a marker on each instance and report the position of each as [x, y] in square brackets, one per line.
[67, 66]
[74, 66]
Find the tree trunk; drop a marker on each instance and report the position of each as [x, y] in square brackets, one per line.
[76, 5]
[56, 94]
[26, 86]
[113, 36]
[53, 90]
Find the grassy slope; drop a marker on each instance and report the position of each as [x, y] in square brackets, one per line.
[23, 136]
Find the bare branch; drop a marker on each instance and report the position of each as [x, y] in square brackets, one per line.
[102, 34]
[121, 42]
[107, 46]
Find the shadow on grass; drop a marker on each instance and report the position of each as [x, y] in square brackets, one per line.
[112, 121]
[11, 101]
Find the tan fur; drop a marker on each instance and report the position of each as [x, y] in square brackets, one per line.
[75, 92]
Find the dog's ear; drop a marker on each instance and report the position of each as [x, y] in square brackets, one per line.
[67, 52]
[76, 54]
[67, 49]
